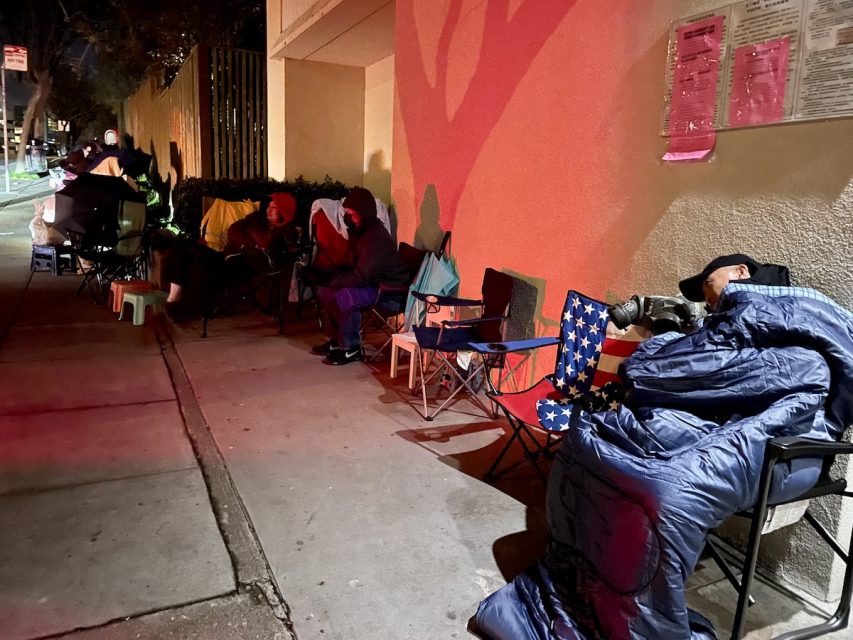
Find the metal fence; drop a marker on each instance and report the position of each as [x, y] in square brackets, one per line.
[210, 122]
[238, 113]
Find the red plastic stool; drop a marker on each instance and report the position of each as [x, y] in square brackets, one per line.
[119, 287]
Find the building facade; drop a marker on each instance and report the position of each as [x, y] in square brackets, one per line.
[531, 130]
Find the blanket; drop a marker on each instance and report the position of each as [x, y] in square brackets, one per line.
[633, 492]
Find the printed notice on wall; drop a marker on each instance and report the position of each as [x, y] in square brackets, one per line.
[780, 61]
[720, 17]
[759, 78]
[695, 82]
[826, 66]
[757, 23]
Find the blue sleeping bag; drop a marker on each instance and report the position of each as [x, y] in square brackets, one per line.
[633, 492]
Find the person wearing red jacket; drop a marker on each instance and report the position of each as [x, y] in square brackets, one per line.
[265, 233]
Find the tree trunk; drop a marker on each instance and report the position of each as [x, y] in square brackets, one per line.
[34, 107]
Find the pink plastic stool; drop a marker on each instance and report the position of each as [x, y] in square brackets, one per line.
[119, 287]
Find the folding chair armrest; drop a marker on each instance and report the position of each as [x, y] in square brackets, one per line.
[387, 288]
[289, 255]
[387, 293]
[446, 301]
[790, 447]
[497, 348]
[470, 322]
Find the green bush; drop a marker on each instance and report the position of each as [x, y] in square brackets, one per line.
[187, 196]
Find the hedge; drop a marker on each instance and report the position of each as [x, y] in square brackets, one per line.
[187, 196]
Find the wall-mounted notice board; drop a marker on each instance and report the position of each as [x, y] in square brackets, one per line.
[759, 62]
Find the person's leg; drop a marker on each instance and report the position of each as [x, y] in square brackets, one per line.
[349, 329]
[175, 292]
[236, 271]
[330, 312]
[349, 338]
[182, 259]
[176, 265]
[350, 302]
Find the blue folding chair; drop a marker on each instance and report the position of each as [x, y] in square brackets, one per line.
[453, 336]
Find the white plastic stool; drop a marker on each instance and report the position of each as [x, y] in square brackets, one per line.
[407, 342]
[140, 300]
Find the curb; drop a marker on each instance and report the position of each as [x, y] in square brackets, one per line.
[251, 567]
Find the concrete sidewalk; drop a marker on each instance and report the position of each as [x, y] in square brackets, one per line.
[104, 511]
[157, 485]
[21, 190]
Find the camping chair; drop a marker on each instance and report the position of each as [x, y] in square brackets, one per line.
[453, 336]
[386, 313]
[276, 282]
[588, 357]
[88, 254]
[779, 451]
[101, 264]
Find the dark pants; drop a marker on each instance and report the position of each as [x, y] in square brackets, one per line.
[185, 258]
[204, 273]
[341, 309]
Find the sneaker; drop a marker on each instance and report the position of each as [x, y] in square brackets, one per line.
[343, 356]
[325, 348]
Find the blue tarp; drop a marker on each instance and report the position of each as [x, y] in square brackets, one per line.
[633, 493]
[437, 276]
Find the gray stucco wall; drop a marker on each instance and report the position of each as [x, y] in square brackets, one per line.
[782, 194]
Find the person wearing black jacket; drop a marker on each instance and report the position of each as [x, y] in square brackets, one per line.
[373, 260]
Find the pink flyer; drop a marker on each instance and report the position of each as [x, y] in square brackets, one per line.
[758, 83]
[692, 147]
[694, 89]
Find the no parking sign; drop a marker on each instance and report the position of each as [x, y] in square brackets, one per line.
[14, 57]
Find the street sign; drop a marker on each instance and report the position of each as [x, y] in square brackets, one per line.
[14, 57]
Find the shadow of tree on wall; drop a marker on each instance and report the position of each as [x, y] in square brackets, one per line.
[429, 233]
[444, 148]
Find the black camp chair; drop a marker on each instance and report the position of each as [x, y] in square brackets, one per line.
[92, 204]
[266, 290]
[101, 261]
[778, 451]
[385, 315]
[306, 289]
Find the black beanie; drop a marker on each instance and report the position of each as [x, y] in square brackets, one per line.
[361, 200]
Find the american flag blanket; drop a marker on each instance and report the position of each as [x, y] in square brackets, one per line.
[588, 359]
